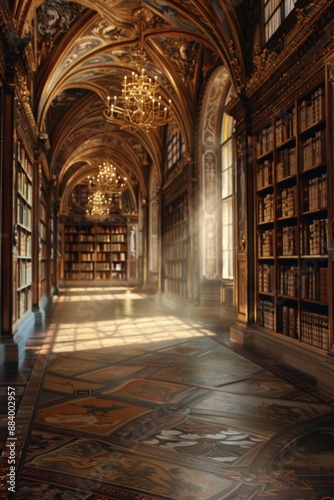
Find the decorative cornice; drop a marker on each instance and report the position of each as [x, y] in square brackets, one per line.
[307, 63]
[25, 120]
[268, 63]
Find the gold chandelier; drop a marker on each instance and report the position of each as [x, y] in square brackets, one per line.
[140, 106]
[105, 188]
[107, 181]
[98, 206]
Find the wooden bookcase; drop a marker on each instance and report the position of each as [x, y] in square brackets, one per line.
[291, 223]
[176, 242]
[95, 252]
[43, 247]
[52, 253]
[24, 236]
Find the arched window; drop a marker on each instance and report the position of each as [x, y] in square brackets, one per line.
[175, 147]
[227, 160]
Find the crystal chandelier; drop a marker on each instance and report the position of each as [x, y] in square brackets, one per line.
[140, 105]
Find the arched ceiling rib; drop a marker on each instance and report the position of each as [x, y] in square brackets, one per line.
[84, 48]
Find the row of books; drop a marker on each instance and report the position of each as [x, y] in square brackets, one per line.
[176, 270]
[178, 203]
[43, 251]
[287, 202]
[70, 257]
[266, 208]
[90, 229]
[175, 234]
[43, 213]
[285, 127]
[43, 232]
[77, 230]
[287, 164]
[110, 230]
[266, 243]
[24, 244]
[265, 141]
[103, 275]
[287, 241]
[23, 159]
[315, 329]
[108, 247]
[266, 278]
[176, 251]
[264, 174]
[313, 237]
[107, 275]
[43, 270]
[179, 215]
[82, 247]
[289, 322]
[266, 314]
[288, 280]
[24, 300]
[88, 247]
[313, 151]
[24, 186]
[77, 238]
[315, 193]
[314, 283]
[23, 214]
[108, 238]
[176, 287]
[77, 266]
[25, 272]
[312, 110]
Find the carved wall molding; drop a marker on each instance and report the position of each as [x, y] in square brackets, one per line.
[267, 63]
[209, 188]
[55, 17]
[236, 68]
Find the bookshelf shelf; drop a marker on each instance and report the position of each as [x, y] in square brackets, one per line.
[176, 246]
[292, 265]
[43, 246]
[24, 202]
[95, 252]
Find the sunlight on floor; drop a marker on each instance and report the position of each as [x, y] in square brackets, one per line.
[101, 334]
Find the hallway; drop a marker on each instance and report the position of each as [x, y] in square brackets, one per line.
[134, 401]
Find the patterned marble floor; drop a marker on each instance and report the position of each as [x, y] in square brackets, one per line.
[134, 402]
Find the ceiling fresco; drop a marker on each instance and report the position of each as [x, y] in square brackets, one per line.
[84, 49]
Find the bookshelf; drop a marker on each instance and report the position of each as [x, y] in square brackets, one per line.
[291, 223]
[43, 247]
[176, 246]
[52, 252]
[24, 236]
[95, 252]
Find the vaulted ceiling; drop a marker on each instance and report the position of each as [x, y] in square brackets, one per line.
[82, 50]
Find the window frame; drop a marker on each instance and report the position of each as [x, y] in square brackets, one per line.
[227, 200]
[284, 16]
[175, 147]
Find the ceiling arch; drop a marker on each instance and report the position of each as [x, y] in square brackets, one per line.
[82, 51]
